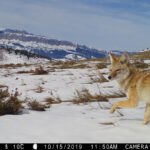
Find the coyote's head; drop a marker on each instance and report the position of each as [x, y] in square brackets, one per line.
[119, 66]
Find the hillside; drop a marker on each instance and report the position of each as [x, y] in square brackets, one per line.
[50, 48]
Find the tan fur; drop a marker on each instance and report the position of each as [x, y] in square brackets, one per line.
[135, 83]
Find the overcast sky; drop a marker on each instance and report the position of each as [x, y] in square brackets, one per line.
[104, 24]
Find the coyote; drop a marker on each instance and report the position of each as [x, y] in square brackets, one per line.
[134, 82]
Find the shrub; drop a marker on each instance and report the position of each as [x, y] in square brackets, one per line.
[4, 94]
[35, 105]
[40, 71]
[10, 106]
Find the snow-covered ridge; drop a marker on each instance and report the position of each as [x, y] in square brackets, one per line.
[43, 46]
[27, 37]
[46, 47]
[32, 44]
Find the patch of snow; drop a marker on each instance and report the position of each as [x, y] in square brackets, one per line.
[147, 61]
[70, 56]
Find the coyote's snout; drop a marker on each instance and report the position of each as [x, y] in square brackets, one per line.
[134, 82]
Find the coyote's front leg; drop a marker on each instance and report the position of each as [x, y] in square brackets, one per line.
[130, 103]
[126, 103]
[147, 114]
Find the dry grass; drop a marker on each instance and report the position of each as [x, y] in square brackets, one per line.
[35, 105]
[70, 65]
[119, 113]
[141, 55]
[103, 79]
[141, 65]
[98, 79]
[40, 71]
[57, 63]
[23, 71]
[51, 70]
[39, 89]
[4, 94]
[101, 65]
[10, 105]
[3, 86]
[51, 100]
[67, 63]
[116, 95]
[94, 80]
[77, 66]
[108, 123]
[14, 65]
[80, 66]
[84, 96]
[37, 71]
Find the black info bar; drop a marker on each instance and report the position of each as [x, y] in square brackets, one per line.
[74, 146]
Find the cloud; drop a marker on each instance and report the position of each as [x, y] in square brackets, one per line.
[103, 26]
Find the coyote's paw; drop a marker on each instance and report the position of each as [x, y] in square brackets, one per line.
[113, 107]
[144, 122]
[112, 110]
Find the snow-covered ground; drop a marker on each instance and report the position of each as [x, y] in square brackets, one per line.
[67, 122]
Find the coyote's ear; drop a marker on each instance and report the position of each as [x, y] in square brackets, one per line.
[124, 58]
[112, 57]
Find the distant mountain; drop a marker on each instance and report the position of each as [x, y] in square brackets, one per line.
[50, 48]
